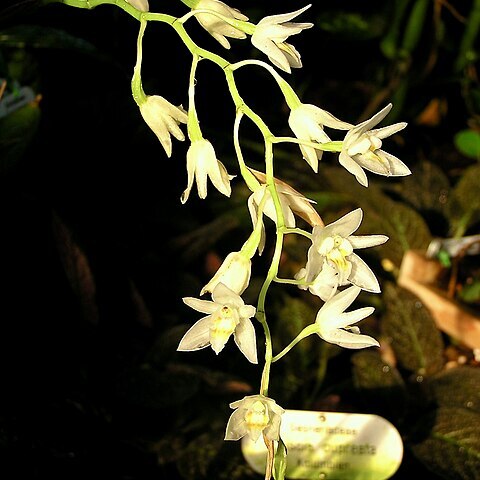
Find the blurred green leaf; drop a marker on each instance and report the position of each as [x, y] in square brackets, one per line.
[426, 189]
[457, 387]
[415, 26]
[17, 130]
[470, 292]
[468, 143]
[414, 336]
[280, 461]
[292, 317]
[353, 25]
[389, 43]
[451, 446]
[380, 385]
[37, 36]
[464, 204]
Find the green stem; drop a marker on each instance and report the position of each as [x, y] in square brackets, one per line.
[252, 183]
[298, 231]
[303, 334]
[193, 127]
[137, 89]
[89, 4]
[290, 96]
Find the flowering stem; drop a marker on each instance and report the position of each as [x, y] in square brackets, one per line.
[89, 4]
[290, 96]
[137, 89]
[248, 176]
[298, 231]
[303, 334]
[193, 127]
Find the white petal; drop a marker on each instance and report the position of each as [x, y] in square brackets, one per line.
[220, 178]
[326, 118]
[283, 17]
[272, 430]
[362, 275]
[269, 48]
[245, 339]
[364, 241]
[352, 166]
[385, 132]
[376, 119]
[350, 318]
[222, 295]
[247, 311]
[203, 306]
[197, 337]
[397, 167]
[345, 225]
[236, 426]
[349, 340]
[191, 163]
[337, 304]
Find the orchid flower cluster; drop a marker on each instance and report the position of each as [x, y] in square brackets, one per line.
[333, 270]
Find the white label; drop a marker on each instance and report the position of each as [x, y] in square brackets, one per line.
[333, 446]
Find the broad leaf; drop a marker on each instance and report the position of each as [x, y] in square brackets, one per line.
[380, 385]
[451, 447]
[468, 143]
[457, 387]
[280, 461]
[414, 336]
[464, 206]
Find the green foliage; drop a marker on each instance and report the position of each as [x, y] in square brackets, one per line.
[17, 131]
[457, 387]
[353, 25]
[412, 332]
[451, 448]
[464, 205]
[468, 143]
[280, 461]
[380, 385]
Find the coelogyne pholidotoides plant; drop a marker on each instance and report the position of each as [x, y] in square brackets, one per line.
[333, 270]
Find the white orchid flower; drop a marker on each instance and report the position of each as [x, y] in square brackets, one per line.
[254, 415]
[234, 272]
[292, 203]
[217, 27]
[362, 149]
[164, 120]
[334, 324]
[307, 122]
[141, 5]
[332, 249]
[270, 35]
[227, 314]
[202, 163]
[325, 283]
